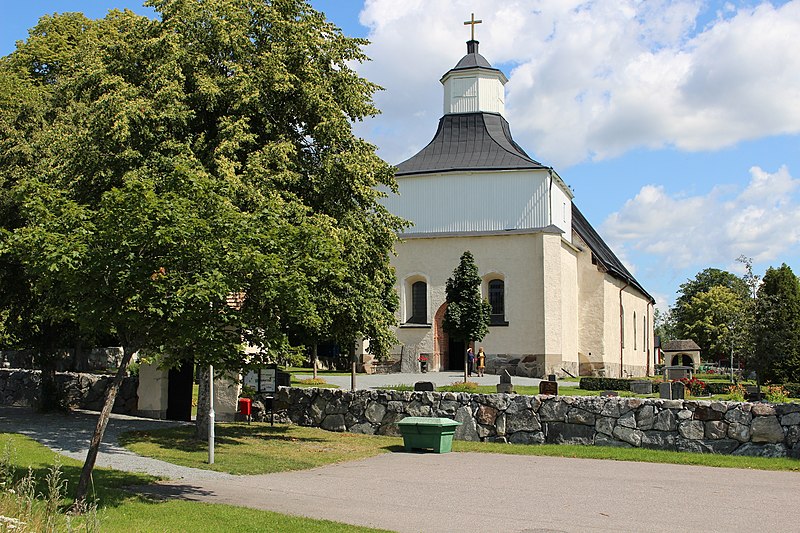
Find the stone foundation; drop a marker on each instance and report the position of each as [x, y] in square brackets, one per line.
[754, 429]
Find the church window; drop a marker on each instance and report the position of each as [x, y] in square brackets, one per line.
[497, 300]
[634, 330]
[419, 303]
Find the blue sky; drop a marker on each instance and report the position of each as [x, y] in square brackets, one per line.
[676, 122]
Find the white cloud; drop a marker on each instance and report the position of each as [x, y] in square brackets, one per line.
[592, 80]
[762, 221]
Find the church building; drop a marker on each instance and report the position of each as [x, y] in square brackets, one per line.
[561, 301]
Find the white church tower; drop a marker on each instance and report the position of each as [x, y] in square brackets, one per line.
[560, 298]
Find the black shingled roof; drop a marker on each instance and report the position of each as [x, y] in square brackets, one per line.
[469, 141]
[601, 251]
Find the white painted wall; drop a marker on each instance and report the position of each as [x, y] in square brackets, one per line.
[474, 201]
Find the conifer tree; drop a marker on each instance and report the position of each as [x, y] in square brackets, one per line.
[467, 315]
[777, 326]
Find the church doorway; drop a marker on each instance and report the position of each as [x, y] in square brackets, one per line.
[455, 355]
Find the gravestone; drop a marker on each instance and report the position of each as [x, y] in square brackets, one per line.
[641, 387]
[671, 390]
[505, 385]
[548, 387]
[424, 386]
[409, 363]
[677, 372]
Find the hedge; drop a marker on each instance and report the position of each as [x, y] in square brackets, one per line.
[606, 384]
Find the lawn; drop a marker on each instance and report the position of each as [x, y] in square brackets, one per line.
[119, 510]
[259, 448]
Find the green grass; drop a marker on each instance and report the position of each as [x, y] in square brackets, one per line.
[301, 382]
[631, 454]
[119, 510]
[258, 448]
[183, 516]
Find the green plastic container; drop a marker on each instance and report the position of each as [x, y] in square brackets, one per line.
[420, 432]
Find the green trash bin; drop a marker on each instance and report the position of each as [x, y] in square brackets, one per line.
[422, 432]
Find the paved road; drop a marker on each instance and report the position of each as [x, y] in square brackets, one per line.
[70, 435]
[461, 491]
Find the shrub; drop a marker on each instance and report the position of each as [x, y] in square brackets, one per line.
[736, 392]
[605, 384]
[312, 381]
[716, 387]
[460, 386]
[696, 387]
[776, 394]
[793, 389]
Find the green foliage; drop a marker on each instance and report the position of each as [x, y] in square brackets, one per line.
[792, 389]
[153, 169]
[735, 392]
[709, 310]
[776, 394]
[777, 327]
[709, 320]
[467, 315]
[617, 384]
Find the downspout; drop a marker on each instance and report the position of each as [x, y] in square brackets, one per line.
[621, 327]
[550, 197]
[647, 332]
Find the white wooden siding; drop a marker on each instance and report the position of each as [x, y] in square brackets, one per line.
[561, 206]
[456, 202]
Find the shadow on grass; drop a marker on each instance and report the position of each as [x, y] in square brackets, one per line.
[183, 438]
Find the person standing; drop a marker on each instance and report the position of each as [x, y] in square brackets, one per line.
[481, 362]
[470, 361]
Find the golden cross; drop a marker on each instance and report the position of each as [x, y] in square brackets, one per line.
[472, 23]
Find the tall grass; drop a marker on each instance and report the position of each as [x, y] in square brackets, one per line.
[24, 506]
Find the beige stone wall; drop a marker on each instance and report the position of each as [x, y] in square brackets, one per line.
[153, 391]
[516, 259]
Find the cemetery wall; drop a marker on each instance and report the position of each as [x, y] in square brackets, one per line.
[80, 391]
[753, 429]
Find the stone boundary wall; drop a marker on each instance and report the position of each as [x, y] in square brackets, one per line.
[752, 429]
[82, 391]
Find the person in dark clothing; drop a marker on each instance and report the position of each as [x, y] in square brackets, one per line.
[470, 361]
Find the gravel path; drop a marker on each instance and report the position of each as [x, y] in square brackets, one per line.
[70, 435]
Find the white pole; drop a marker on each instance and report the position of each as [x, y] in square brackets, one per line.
[211, 414]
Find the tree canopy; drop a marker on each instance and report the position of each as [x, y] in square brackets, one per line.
[192, 183]
[777, 326]
[706, 309]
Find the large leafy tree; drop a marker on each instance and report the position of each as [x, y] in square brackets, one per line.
[712, 317]
[777, 326]
[702, 319]
[192, 183]
[467, 315]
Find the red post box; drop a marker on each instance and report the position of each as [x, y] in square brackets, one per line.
[245, 405]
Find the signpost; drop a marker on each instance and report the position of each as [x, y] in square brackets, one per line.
[264, 381]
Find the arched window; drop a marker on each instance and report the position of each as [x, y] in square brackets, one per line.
[497, 300]
[634, 330]
[419, 303]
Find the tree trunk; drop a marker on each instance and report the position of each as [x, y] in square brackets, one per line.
[102, 422]
[49, 396]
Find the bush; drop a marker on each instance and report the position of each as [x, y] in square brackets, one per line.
[776, 394]
[460, 386]
[793, 389]
[696, 387]
[605, 384]
[716, 387]
[737, 392]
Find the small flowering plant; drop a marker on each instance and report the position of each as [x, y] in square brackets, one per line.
[695, 386]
